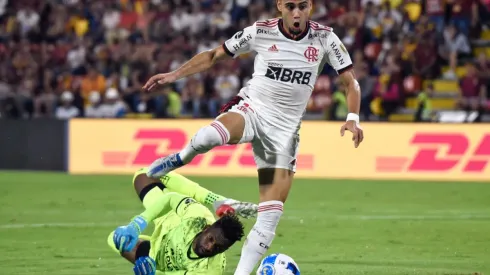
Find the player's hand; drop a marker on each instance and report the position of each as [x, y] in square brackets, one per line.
[126, 237]
[145, 266]
[159, 79]
[355, 129]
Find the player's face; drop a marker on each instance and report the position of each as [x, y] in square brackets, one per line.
[295, 14]
[207, 244]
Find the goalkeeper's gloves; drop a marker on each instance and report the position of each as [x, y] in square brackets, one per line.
[145, 266]
[126, 237]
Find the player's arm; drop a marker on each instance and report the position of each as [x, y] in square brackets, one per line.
[196, 64]
[126, 237]
[201, 62]
[338, 57]
[241, 42]
[352, 92]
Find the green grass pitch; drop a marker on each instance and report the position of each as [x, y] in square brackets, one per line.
[58, 224]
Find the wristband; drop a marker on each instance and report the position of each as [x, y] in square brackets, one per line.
[141, 223]
[354, 117]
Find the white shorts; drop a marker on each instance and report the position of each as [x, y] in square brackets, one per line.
[273, 146]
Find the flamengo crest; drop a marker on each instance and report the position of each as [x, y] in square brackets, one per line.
[311, 54]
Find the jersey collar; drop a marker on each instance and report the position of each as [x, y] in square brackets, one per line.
[299, 37]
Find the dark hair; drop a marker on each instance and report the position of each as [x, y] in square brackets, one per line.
[231, 228]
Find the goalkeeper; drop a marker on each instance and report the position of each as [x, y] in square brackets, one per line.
[187, 240]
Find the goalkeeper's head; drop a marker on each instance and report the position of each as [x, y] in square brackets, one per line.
[219, 236]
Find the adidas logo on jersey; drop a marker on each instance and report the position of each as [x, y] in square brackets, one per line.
[273, 48]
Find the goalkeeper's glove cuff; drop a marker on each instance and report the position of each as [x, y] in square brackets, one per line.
[139, 223]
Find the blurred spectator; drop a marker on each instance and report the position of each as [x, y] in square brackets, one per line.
[192, 98]
[94, 108]
[483, 70]
[239, 10]
[110, 21]
[462, 14]
[28, 20]
[198, 20]
[226, 85]
[3, 7]
[424, 105]
[180, 19]
[319, 10]
[46, 101]
[435, 10]
[67, 110]
[472, 90]
[413, 10]
[94, 81]
[76, 58]
[372, 21]
[219, 18]
[455, 47]
[390, 18]
[320, 98]
[338, 110]
[113, 107]
[424, 59]
[389, 94]
[334, 12]
[147, 105]
[173, 103]
[366, 83]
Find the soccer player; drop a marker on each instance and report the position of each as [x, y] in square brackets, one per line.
[290, 53]
[187, 239]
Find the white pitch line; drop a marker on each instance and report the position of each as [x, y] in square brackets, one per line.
[414, 217]
[70, 225]
[286, 217]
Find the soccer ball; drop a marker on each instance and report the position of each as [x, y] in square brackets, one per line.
[278, 264]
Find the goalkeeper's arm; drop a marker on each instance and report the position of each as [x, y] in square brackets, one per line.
[126, 237]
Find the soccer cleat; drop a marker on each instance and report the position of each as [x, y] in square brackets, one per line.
[163, 166]
[225, 209]
[245, 210]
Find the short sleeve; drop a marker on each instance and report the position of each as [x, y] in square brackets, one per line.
[337, 55]
[241, 42]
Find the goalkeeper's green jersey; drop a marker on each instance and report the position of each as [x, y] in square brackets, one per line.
[171, 241]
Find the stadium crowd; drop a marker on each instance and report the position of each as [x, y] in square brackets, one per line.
[89, 58]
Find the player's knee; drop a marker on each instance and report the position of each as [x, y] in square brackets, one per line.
[138, 173]
[209, 137]
[235, 124]
[110, 242]
[143, 184]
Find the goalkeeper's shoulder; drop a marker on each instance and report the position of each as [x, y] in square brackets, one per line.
[190, 208]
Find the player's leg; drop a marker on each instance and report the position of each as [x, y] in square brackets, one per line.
[274, 188]
[174, 182]
[228, 128]
[276, 173]
[141, 249]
